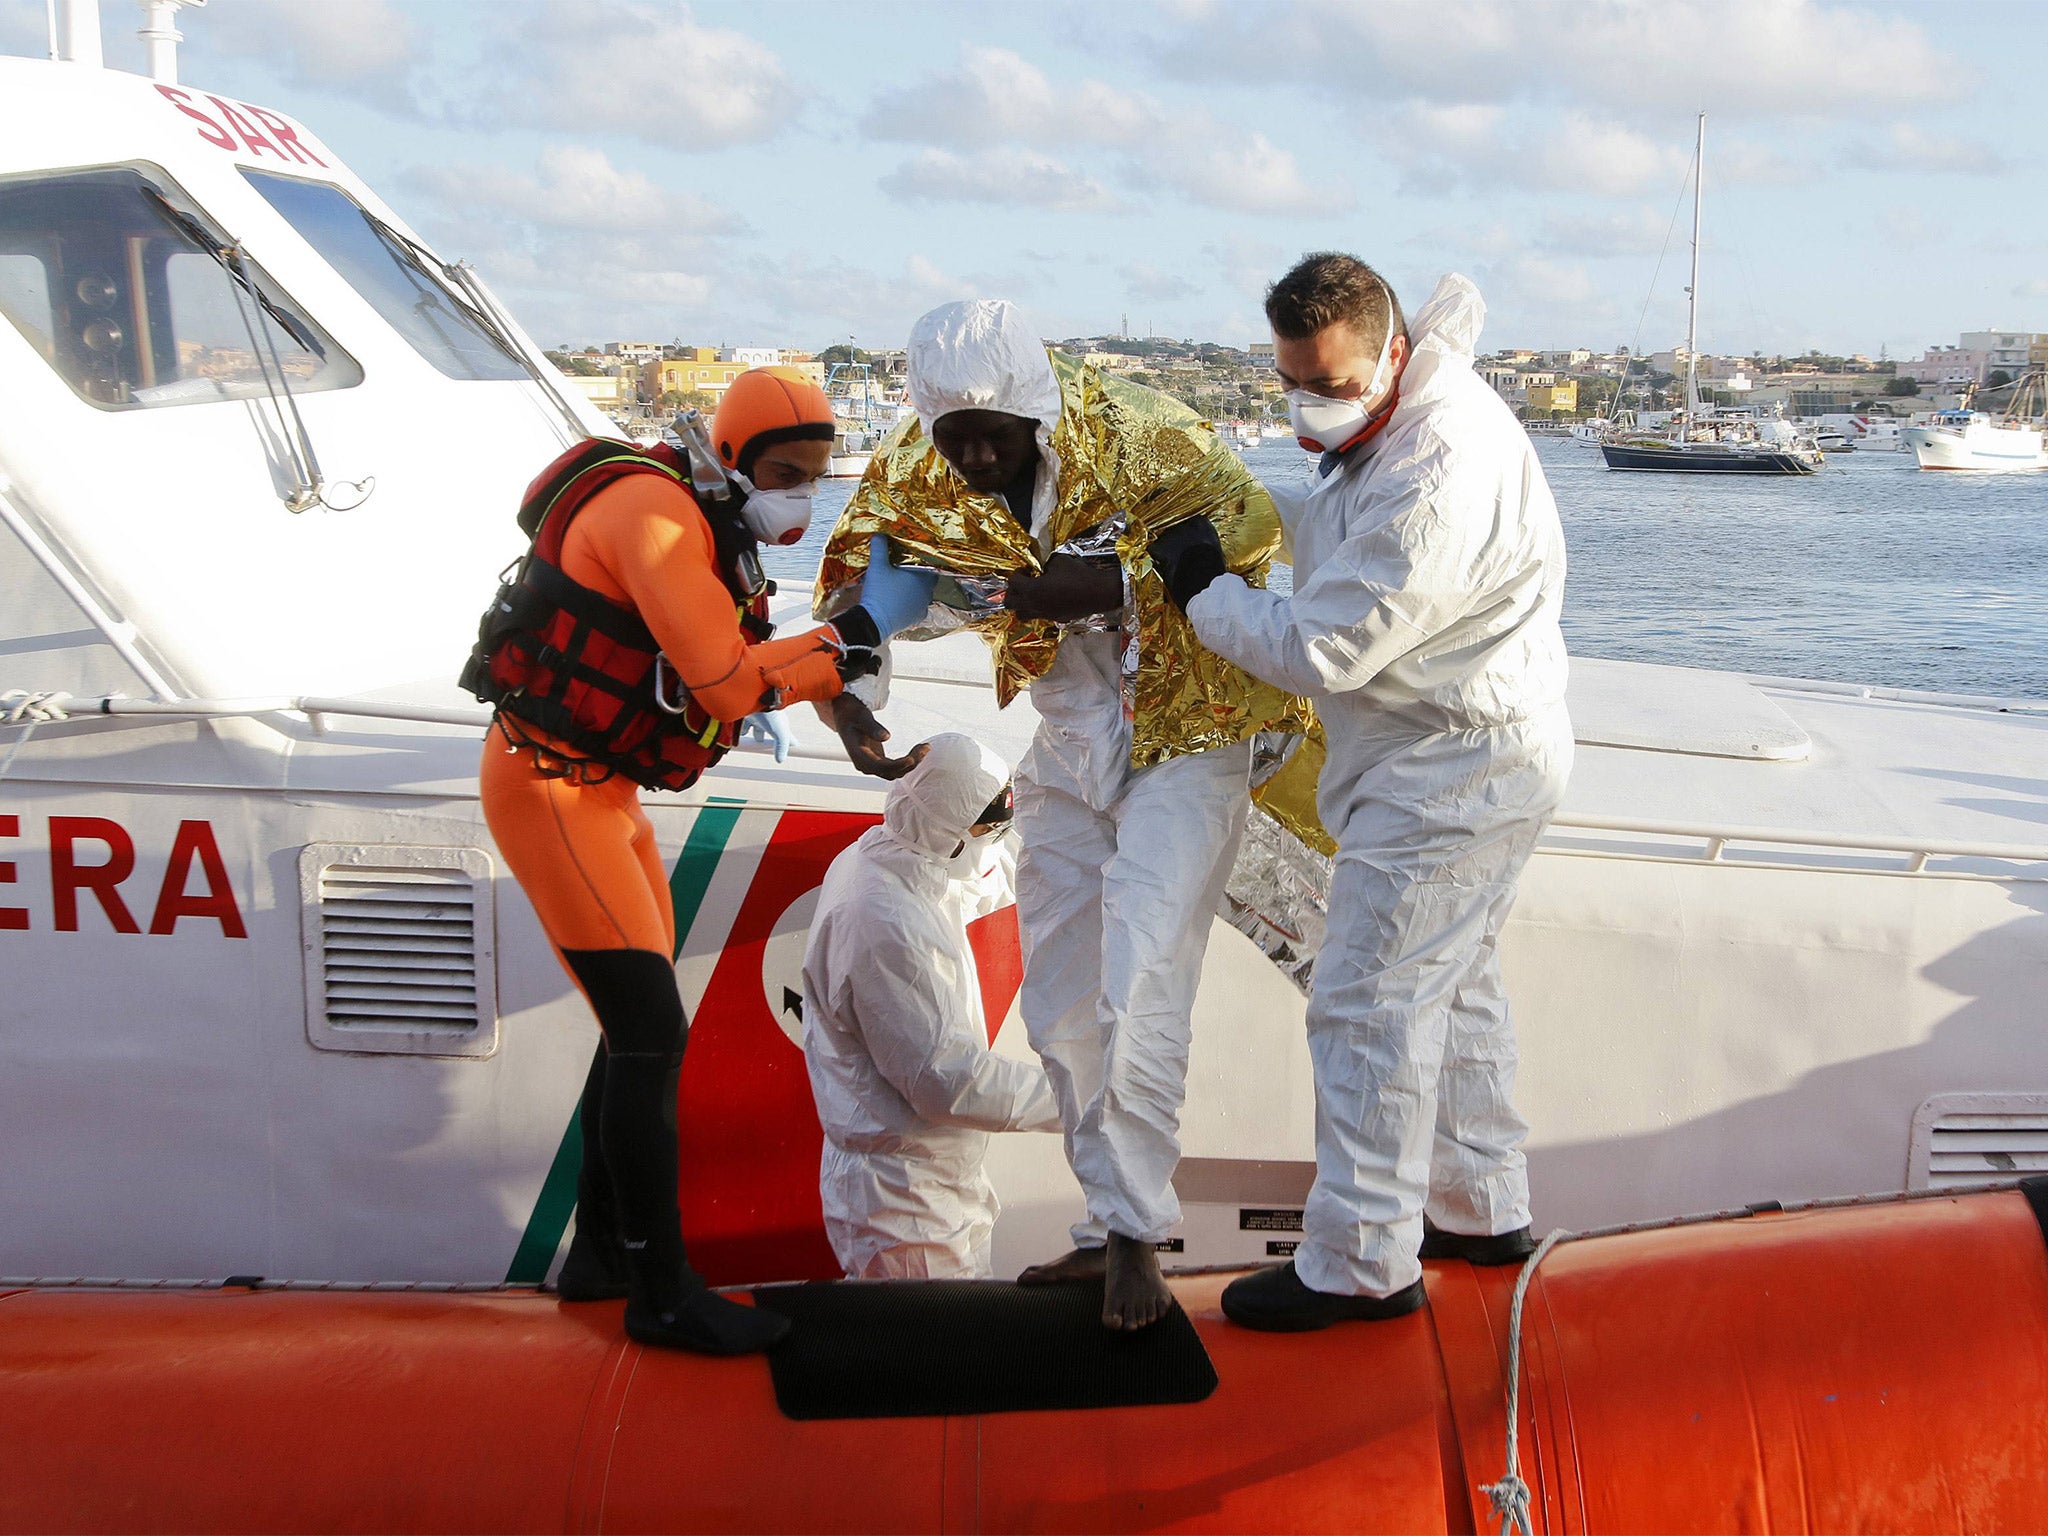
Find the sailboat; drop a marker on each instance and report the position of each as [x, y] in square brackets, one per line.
[1702, 440]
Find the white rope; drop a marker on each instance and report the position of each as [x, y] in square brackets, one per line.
[1510, 1496]
[23, 706]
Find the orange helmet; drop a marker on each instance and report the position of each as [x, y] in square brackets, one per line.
[765, 406]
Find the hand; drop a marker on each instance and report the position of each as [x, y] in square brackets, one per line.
[862, 735]
[771, 726]
[813, 675]
[894, 596]
[1071, 588]
[1188, 556]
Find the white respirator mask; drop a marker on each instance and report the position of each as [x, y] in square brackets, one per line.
[777, 517]
[971, 860]
[1322, 423]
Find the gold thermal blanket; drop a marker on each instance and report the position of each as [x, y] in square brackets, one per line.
[1121, 449]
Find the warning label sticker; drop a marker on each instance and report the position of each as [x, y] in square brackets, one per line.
[1253, 1219]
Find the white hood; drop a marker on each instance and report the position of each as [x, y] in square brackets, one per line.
[1444, 333]
[980, 355]
[931, 807]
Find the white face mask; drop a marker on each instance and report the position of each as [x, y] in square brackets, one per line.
[778, 517]
[1322, 423]
[972, 859]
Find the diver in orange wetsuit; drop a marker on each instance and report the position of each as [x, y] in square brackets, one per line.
[626, 653]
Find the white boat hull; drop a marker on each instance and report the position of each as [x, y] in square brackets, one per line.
[1978, 447]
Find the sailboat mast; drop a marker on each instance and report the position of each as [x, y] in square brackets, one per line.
[1692, 292]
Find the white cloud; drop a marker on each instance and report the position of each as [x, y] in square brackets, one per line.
[2032, 288]
[1481, 145]
[369, 50]
[1253, 176]
[1766, 58]
[995, 95]
[1147, 284]
[651, 71]
[576, 189]
[995, 98]
[1910, 148]
[1638, 231]
[1013, 177]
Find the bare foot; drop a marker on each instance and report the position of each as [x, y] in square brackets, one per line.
[1134, 1293]
[1081, 1264]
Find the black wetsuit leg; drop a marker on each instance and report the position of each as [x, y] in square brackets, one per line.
[629, 1101]
[641, 1013]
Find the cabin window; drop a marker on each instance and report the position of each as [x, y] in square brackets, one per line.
[396, 281]
[118, 281]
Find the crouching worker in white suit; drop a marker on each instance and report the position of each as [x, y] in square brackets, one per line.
[907, 1087]
[1428, 576]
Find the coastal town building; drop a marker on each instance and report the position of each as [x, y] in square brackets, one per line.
[1946, 367]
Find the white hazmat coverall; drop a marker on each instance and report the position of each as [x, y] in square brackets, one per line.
[1121, 871]
[894, 1035]
[1429, 572]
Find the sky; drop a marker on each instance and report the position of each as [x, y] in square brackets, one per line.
[797, 173]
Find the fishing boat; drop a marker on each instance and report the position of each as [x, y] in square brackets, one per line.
[1704, 441]
[278, 1016]
[1972, 440]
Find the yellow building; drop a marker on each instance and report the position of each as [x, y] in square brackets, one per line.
[1561, 396]
[698, 368]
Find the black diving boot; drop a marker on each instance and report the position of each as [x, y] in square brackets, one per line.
[670, 1307]
[594, 1268]
[1275, 1300]
[1502, 1248]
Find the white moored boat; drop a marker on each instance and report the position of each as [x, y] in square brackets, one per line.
[275, 1008]
[1973, 440]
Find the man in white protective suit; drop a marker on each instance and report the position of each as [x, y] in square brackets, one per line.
[907, 1088]
[1121, 866]
[1429, 572]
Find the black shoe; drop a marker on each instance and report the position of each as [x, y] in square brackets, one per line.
[1503, 1248]
[1274, 1300]
[705, 1323]
[592, 1270]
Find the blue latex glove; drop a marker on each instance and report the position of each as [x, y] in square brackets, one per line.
[894, 596]
[771, 726]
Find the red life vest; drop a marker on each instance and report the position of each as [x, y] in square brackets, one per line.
[557, 656]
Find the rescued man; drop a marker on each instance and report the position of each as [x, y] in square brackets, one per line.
[1132, 797]
[908, 1090]
[625, 653]
[1429, 569]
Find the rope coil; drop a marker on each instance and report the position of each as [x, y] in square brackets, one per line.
[27, 706]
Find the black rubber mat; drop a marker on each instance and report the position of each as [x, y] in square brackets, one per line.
[891, 1349]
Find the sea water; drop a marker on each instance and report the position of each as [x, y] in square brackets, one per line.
[1871, 571]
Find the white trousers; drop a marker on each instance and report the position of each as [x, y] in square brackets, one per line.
[901, 1216]
[1409, 1030]
[1114, 905]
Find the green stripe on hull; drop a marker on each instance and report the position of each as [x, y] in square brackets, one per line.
[702, 850]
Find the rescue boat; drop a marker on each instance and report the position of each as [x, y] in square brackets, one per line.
[274, 1009]
[1876, 1367]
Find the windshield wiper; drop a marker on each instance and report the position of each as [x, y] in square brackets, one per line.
[309, 488]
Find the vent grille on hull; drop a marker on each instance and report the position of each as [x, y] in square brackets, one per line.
[399, 950]
[1964, 1139]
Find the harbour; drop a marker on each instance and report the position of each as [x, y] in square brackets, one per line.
[1869, 572]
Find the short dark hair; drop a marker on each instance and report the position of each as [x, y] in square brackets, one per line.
[1325, 287]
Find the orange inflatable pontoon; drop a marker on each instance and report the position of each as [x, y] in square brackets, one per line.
[1879, 1367]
